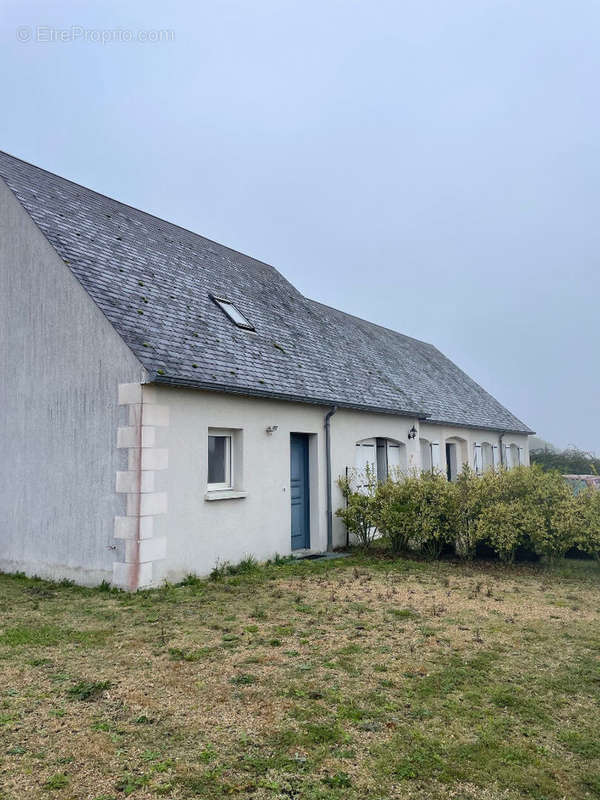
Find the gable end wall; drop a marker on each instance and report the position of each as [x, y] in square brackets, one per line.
[62, 363]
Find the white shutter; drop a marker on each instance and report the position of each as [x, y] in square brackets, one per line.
[495, 456]
[507, 458]
[521, 457]
[435, 455]
[394, 460]
[477, 463]
[365, 456]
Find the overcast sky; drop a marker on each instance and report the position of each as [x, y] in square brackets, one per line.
[430, 166]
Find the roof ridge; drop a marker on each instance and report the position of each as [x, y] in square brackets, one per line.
[145, 213]
[373, 324]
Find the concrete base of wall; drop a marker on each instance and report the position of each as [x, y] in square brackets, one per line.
[82, 576]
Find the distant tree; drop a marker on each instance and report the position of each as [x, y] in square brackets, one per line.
[571, 461]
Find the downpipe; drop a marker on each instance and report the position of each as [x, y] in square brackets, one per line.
[328, 417]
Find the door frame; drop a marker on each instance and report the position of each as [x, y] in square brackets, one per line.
[305, 438]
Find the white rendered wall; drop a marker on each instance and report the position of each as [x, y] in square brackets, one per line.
[62, 362]
[199, 532]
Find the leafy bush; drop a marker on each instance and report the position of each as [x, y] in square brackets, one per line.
[415, 512]
[394, 514]
[506, 526]
[549, 523]
[359, 513]
[469, 497]
[588, 512]
[434, 513]
[525, 507]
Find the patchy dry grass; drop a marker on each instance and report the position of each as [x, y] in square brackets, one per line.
[345, 679]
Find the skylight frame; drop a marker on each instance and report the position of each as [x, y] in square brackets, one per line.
[224, 305]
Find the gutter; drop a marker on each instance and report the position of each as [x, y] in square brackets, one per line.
[186, 383]
[500, 437]
[328, 417]
[205, 386]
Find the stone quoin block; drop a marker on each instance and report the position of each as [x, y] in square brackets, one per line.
[146, 504]
[155, 458]
[134, 527]
[132, 480]
[122, 574]
[144, 550]
[129, 436]
[130, 393]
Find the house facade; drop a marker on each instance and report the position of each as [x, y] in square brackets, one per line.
[168, 403]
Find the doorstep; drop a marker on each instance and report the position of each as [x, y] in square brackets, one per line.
[316, 554]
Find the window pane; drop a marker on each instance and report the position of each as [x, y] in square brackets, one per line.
[217, 459]
[234, 314]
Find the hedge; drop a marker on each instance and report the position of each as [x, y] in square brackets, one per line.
[505, 510]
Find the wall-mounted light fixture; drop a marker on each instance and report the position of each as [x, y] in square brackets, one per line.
[412, 433]
[272, 428]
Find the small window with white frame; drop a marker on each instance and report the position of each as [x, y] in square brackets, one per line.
[220, 460]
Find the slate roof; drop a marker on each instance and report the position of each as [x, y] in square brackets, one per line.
[152, 279]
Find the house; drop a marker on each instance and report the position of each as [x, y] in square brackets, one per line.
[168, 402]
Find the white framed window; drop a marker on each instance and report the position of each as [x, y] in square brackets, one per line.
[380, 459]
[220, 460]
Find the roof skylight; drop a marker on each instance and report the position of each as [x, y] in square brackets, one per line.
[234, 314]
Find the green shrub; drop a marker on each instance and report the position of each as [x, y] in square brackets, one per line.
[556, 504]
[588, 513]
[434, 513]
[359, 512]
[394, 514]
[524, 507]
[415, 512]
[469, 495]
[506, 526]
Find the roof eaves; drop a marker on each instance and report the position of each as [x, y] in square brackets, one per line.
[493, 428]
[266, 394]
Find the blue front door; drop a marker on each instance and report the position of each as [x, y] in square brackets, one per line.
[299, 491]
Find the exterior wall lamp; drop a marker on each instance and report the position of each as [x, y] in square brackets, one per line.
[271, 429]
[412, 433]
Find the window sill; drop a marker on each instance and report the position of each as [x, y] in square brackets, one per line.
[224, 494]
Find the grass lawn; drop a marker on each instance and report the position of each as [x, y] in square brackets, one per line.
[352, 678]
